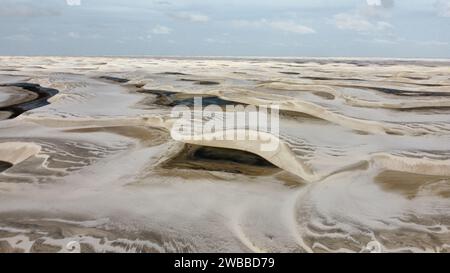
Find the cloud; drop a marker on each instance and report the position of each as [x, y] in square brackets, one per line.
[163, 3]
[190, 16]
[380, 3]
[217, 41]
[356, 22]
[433, 43]
[18, 38]
[145, 37]
[370, 18]
[161, 30]
[74, 35]
[290, 26]
[376, 9]
[387, 41]
[73, 2]
[284, 26]
[442, 8]
[26, 9]
[248, 23]
[384, 41]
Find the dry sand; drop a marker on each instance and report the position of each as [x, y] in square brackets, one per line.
[364, 156]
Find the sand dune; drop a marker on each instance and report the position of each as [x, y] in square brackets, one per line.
[87, 155]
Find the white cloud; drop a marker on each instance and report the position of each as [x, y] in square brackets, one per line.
[433, 43]
[161, 30]
[356, 22]
[373, 10]
[285, 26]
[18, 38]
[24, 9]
[74, 35]
[163, 3]
[216, 41]
[248, 23]
[442, 8]
[384, 41]
[374, 2]
[191, 17]
[394, 41]
[145, 37]
[290, 26]
[73, 2]
[380, 3]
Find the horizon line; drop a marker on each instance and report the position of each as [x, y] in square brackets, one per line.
[241, 57]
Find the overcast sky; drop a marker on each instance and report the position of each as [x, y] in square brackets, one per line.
[372, 28]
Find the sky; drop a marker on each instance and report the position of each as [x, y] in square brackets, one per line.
[278, 28]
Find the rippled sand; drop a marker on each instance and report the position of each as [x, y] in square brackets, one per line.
[86, 155]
